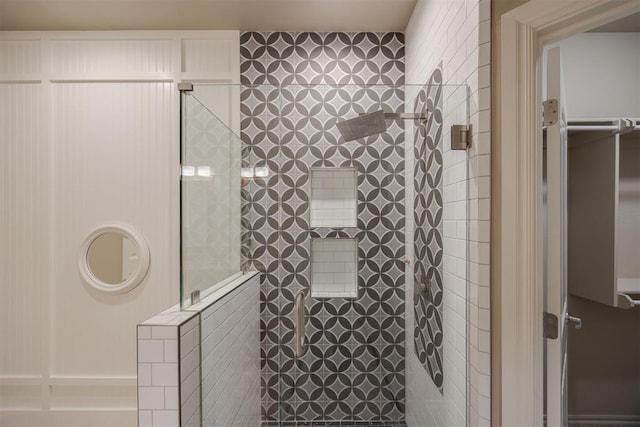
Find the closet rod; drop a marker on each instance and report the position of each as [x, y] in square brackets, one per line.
[586, 128]
[617, 125]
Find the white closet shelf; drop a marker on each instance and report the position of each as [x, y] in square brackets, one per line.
[629, 285]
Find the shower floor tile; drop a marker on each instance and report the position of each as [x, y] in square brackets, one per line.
[333, 424]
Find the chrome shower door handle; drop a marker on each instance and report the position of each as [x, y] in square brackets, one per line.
[299, 324]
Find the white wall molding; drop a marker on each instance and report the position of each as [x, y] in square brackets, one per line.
[90, 135]
[520, 351]
[525, 30]
[80, 381]
[183, 61]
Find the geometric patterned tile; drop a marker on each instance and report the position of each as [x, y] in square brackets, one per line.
[295, 87]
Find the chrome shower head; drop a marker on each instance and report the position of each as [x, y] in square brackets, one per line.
[363, 125]
[372, 123]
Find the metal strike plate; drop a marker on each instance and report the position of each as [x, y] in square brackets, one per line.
[550, 325]
[460, 137]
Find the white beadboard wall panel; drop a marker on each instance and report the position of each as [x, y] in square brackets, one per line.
[456, 34]
[24, 236]
[111, 56]
[92, 397]
[20, 397]
[210, 55]
[93, 138]
[70, 418]
[120, 150]
[19, 57]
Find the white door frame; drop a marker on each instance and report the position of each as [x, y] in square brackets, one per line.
[524, 32]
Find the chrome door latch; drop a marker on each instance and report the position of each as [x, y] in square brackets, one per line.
[575, 321]
[550, 324]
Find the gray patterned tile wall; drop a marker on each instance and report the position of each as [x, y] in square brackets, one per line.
[428, 236]
[353, 368]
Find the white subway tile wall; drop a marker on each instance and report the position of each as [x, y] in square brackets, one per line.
[456, 35]
[231, 358]
[157, 376]
[333, 197]
[227, 369]
[334, 266]
[189, 373]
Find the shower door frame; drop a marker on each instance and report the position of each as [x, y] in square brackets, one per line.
[517, 371]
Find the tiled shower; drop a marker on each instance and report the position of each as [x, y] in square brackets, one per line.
[267, 168]
[301, 222]
[360, 243]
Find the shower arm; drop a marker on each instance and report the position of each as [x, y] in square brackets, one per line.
[402, 116]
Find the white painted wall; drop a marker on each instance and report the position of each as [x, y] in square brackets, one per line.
[602, 75]
[456, 33]
[89, 134]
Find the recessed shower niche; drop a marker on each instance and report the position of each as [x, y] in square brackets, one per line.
[333, 197]
[334, 268]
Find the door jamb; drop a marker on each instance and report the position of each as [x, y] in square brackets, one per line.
[524, 32]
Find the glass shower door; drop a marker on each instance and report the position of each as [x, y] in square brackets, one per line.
[384, 353]
[352, 367]
[437, 291]
[210, 200]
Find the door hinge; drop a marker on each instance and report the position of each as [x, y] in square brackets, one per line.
[550, 325]
[550, 112]
[460, 137]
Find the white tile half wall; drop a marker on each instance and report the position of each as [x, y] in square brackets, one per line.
[231, 358]
[202, 366]
[166, 369]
